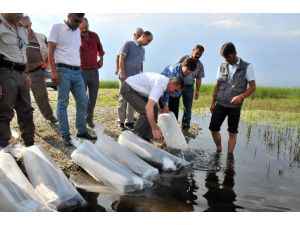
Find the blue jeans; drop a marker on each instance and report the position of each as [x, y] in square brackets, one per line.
[71, 80]
[187, 100]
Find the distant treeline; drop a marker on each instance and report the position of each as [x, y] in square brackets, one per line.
[261, 92]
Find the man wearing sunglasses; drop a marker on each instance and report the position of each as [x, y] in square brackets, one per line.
[14, 80]
[37, 55]
[64, 58]
[188, 93]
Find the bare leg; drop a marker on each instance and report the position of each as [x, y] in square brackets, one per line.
[217, 139]
[231, 142]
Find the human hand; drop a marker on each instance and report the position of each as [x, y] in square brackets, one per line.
[100, 64]
[196, 95]
[212, 107]
[27, 79]
[54, 77]
[157, 135]
[165, 109]
[237, 100]
[1, 93]
[44, 64]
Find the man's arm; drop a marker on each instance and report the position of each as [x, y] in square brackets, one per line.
[117, 64]
[151, 118]
[54, 75]
[238, 99]
[100, 53]
[142, 67]
[214, 99]
[198, 85]
[122, 67]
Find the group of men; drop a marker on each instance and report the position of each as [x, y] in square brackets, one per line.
[74, 55]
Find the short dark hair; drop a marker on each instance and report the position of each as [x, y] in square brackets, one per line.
[78, 14]
[199, 47]
[177, 81]
[147, 33]
[85, 19]
[190, 63]
[228, 49]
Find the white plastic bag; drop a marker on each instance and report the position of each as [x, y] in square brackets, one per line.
[16, 193]
[105, 170]
[171, 131]
[149, 152]
[125, 158]
[49, 181]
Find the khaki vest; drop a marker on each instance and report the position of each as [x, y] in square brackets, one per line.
[43, 47]
[234, 87]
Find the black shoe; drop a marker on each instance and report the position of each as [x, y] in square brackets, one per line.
[67, 141]
[90, 124]
[86, 135]
[129, 125]
[121, 125]
[52, 120]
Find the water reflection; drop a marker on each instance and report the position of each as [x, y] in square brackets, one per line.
[220, 195]
[173, 193]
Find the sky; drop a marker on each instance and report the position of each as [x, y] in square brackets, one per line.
[271, 42]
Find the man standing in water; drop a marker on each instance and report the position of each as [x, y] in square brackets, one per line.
[234, 75]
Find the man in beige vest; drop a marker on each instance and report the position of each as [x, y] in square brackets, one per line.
[14, 80]
[37, 56]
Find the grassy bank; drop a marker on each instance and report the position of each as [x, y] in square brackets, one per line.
[268, 105]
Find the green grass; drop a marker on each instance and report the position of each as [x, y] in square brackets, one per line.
[268, 105]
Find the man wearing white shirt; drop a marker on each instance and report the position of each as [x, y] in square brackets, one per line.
[64, 59]
[143, 91]
[234, 75]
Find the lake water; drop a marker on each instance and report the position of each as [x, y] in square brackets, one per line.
[263, 175]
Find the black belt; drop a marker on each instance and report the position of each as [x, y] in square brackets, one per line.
[12, 65]
[36, 69]
[68, 66]
[188, 85]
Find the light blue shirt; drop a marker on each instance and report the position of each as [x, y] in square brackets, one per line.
[170, 71]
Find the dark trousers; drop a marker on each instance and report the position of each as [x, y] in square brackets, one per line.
[91, 81]
[38, 88]
[15, 95]
[187, 100]
[142, 127]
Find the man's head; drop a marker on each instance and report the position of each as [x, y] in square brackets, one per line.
[197, 52]
[26, 23]
[175, 84]
[138, 33]
[74, 19]
[228, 52]
[84, 26]
[188, 65]
[145, 38]
[13, 18]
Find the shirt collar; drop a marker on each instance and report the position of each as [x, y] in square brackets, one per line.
[67, 27]
[137, 44]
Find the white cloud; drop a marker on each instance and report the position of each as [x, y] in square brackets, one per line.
[229, 23]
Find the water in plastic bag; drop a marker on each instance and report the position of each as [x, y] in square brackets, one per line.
[16, 193]
[105, 170]
[149, 152]
[49, 180]
[125, 158]
[171, 131]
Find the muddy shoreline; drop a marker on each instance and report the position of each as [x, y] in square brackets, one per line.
[47, 135]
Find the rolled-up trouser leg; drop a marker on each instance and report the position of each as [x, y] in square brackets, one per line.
[8, 83]
[38, 87]
[25, 112]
